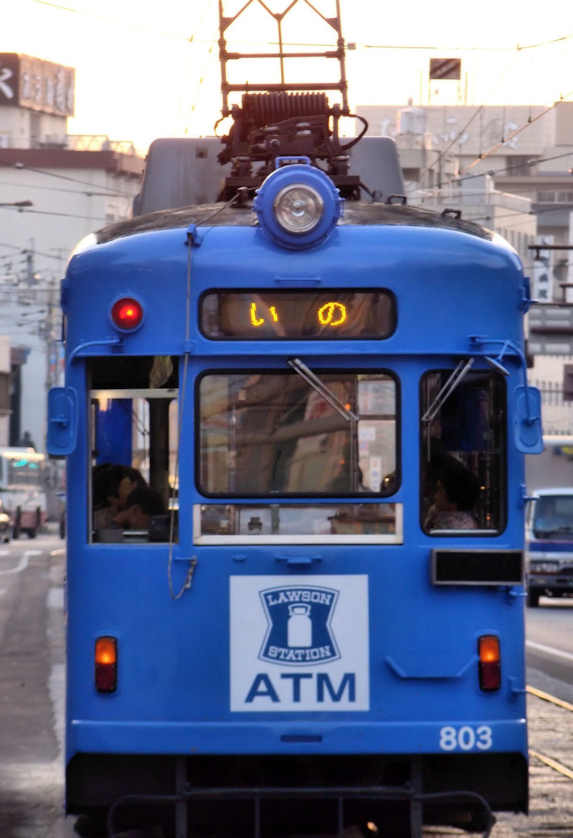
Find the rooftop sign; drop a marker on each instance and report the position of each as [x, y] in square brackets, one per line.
[27, 82]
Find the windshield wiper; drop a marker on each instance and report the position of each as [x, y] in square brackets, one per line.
[448, 388]
[320, 387]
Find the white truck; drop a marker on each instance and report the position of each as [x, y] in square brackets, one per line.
[549, 544]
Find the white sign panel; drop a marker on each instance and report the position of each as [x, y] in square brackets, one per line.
[299, 643]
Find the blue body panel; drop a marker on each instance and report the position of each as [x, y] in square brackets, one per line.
[436, 287]
[544, 546]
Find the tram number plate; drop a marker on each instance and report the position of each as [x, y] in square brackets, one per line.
[466, 738]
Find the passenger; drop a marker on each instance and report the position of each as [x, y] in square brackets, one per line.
[105, 481]
[112, 485]
[455, 495]
[131, 479]
[142, 504]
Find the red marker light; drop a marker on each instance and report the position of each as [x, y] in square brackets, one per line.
[127, 314]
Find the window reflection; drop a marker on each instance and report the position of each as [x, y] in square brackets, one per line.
[296, 524]
[272, 433]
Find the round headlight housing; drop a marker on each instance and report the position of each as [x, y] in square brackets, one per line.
[298, 208]
[297, 205]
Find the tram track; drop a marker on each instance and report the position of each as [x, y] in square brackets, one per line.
[555, 764]
[559, 702]
[550, 815]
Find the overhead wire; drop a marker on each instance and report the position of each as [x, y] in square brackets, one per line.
[24, 167]
[511, 136]
[87, 192]
[458, 135]
[507, 168]
[59, 214]
[22, 251]
[549, 42]
[352, 45]
[130, 26]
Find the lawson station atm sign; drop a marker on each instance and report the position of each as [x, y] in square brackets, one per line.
[299, 643]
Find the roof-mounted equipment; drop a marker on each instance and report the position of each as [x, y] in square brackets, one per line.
[285, 119]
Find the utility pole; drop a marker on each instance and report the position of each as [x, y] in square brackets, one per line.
[48, 332]
[30, 254]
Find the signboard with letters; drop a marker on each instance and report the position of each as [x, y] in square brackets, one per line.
[299, 643]
[27, 82]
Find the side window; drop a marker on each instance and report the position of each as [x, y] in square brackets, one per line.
[463, 487]
[133, 442]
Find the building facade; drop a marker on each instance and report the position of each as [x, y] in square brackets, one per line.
[54, 190]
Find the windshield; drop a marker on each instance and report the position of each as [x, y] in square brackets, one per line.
[276, 433]
[22, 471]
[553, 516]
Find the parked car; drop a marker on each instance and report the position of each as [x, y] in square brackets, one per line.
[28, 512]
[5, 524]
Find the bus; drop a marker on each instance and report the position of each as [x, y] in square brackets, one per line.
[23, 489]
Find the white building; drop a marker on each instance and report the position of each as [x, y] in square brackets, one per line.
[526, 149]
[510, 169]
[54, 190]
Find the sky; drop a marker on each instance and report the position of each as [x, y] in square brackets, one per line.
[149, 69]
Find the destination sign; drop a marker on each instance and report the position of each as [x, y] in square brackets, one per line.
[297, 315]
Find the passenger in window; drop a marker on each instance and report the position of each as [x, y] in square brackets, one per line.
[130, 480]
[105, 481]
[455, 495]
[143, 504]
[112, 485]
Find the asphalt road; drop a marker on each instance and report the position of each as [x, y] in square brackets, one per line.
[32, 676]
[549, 647]
[32, 701]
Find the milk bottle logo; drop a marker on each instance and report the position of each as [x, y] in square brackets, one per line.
[299, 630]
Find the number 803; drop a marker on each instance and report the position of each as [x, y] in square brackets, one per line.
[466, 738]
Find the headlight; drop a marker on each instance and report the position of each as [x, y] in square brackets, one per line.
[297, 205]
[298, 208]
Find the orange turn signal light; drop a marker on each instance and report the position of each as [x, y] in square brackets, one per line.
[489, 662]
[105, 659]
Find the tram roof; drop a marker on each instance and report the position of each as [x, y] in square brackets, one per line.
[221, 215]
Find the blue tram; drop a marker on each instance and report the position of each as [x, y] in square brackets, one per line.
[306, 613]
[296, 634]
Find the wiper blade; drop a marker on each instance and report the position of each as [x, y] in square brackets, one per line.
[448, 388]
[320, 387]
